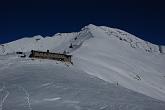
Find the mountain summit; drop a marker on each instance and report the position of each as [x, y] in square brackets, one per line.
[111, 55]
[60, 41]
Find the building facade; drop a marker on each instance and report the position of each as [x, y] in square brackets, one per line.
[49, 55]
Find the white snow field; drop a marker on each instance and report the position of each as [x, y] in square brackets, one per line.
[112, 70]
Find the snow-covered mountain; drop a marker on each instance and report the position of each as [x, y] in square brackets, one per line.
[61, 41]
[112, 55]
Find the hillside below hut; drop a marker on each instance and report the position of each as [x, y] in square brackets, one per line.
[50, 55]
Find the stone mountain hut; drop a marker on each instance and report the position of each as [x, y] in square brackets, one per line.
[52, 56]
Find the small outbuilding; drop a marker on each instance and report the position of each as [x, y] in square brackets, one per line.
[50, 55]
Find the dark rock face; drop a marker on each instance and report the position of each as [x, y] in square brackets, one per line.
[162, 49]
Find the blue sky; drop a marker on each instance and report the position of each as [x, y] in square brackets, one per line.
[21, 18]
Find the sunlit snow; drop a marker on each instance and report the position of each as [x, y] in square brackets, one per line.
[112, 70]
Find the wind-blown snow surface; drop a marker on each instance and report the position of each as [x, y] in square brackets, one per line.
[112, 55]
[115, 61]
[47, 85]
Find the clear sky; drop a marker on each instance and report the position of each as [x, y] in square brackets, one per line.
[26, 18]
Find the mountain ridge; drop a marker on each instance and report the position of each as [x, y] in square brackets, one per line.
[121, 35]
[112, 55]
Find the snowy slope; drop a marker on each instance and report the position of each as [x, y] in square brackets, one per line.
[131, 40]
[44, 85]
[110, 54]
[107, 58]
[61, 41]
[36, 43]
